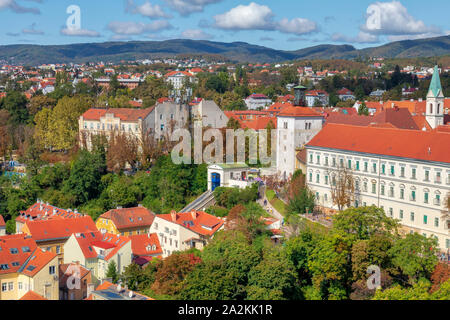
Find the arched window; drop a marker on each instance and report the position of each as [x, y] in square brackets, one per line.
[431, 108]
[438, 108]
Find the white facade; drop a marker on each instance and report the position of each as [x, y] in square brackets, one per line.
[228, 175]
[254, 103]
[293, 133]
[412, 191]
[435, 109]
[209, 114]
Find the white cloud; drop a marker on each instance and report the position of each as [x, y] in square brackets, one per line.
[362, 37]
[80, 33]
[392, 18]
[14, 6]
[260, 17]
[147, 10]
[297, 26]
[137, 28]
[415, 36]
[196, 34]
[186, 7]
[251, 17]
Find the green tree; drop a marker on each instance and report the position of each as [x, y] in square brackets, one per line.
[363, 222]
[85, 176]
[111, 272]
[415, 256]
[274, 278]
[301, 201]
[363, 110]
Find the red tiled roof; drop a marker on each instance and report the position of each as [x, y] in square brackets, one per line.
[344, 91]
[2, 222]
[316, 93]
[19, 242]
[109, 242]
[135, 104]
[43, 211]
[399, 117]
[31, 295]
[170, 74]
[140, 244]
[38, 260]
[130, 217]
[428, 146]
[199, 220]
[65, 272]
[60, 228]
[299, 112]
[125, 114]
[259, 123]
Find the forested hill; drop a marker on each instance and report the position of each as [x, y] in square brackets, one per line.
[236, 51]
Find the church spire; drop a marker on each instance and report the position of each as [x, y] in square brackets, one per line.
[435, 85]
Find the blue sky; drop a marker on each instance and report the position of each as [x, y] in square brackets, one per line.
[282, 24]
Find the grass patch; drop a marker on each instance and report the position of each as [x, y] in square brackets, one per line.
[279, 205]
[270, 194]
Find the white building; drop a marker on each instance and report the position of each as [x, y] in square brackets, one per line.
[256, 101]
[228, 175]
[158, 120]
[316, 96]
[296, 126]
[435, 101]
[183, 231]
[208, 114]
[405, 172]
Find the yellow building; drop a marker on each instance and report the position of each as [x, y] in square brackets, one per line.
[24, 267]
[126, 222]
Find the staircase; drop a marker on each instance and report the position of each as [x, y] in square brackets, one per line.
[203, 202]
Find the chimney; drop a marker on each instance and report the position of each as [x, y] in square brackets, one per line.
[429, 151]
[392, 105]
[194, 214]
[90, 289]
[173, 215]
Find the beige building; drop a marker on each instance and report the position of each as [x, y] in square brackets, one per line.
[24, 267]
[95, 251]
[183, 231]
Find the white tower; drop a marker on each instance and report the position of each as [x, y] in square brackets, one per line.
[435, 101]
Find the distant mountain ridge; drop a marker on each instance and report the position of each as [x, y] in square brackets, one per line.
[236, 51]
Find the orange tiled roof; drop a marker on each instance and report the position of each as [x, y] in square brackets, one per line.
[428, 146]
[25, 245]
[43, 211]
[197, 221]
[130, 217]
[64, 275]
[2, 222]
[31, 295]
[299, 112]
[170, 74]
[59, 228]
[140, 244]
[125, 114]
[38, 260]
[259, 123]
[109, 242]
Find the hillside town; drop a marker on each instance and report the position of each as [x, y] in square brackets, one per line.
[368, 149]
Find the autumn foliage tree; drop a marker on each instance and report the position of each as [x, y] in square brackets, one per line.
[122, 151]
[342, 186]
[172, 271]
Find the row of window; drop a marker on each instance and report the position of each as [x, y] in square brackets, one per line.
[9, 286]
[111, 127]
[390, 192]
[391, 171]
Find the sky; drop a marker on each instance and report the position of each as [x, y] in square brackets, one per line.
[282, 24]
